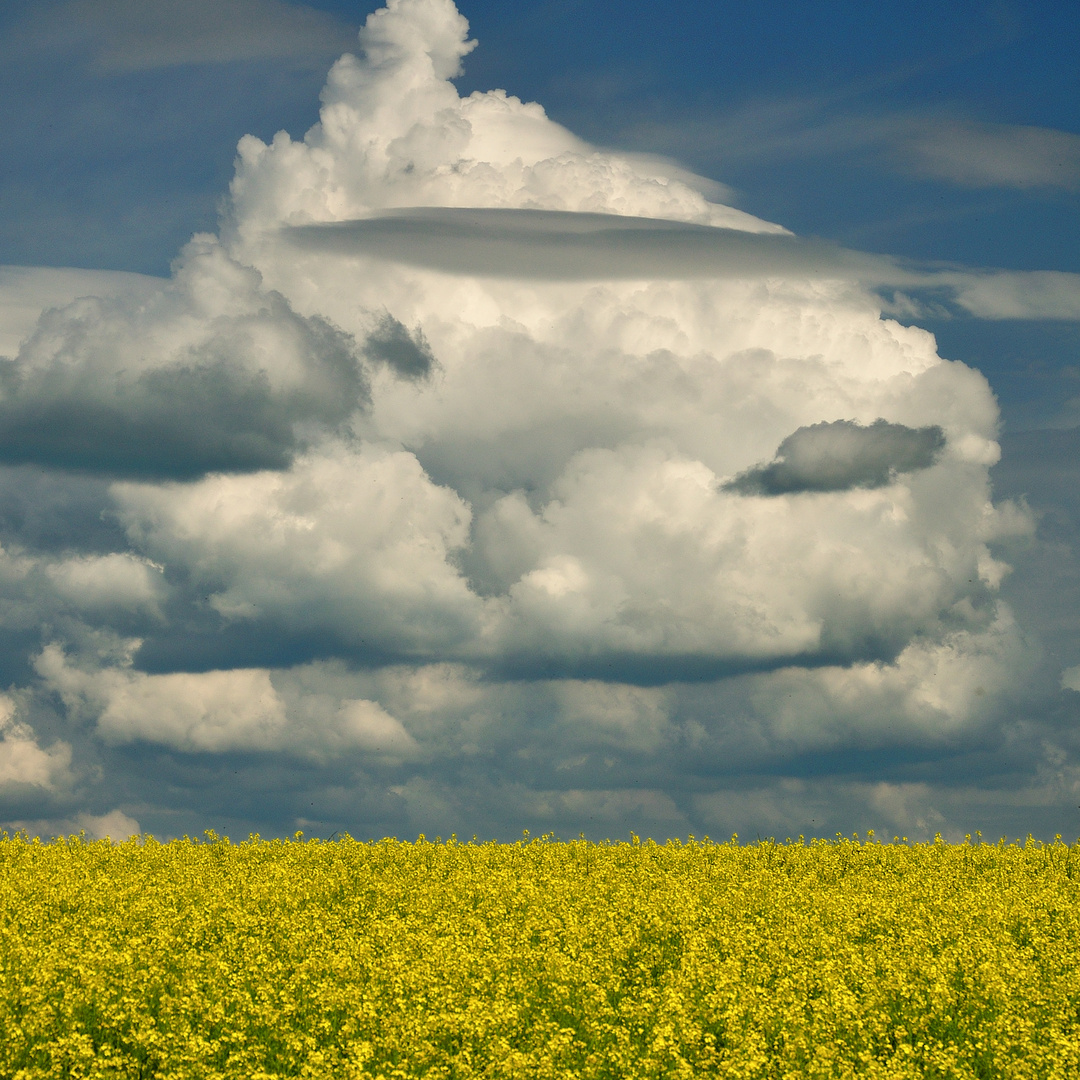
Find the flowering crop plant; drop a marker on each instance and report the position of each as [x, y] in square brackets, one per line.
[538, 959]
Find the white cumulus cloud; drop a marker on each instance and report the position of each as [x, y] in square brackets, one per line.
[22, 760]
[115, 826]
[555, 491]
[216, 711]
[354, 543]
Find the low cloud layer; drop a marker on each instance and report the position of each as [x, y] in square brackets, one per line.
[476, 479]
[925, 144]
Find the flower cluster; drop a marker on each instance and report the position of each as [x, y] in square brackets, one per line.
[538, 959]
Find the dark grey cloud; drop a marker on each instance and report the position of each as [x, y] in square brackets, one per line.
[208, 410]
[179, 423]
[641, 670]
[53, 512]
[196, 640]
[408, 354]
[840, 455]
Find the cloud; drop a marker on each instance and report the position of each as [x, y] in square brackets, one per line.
[114, 825]
[945, 292]
[590, 432]
[645, 570]
[217, 711]
[390, 343]
[899, 806]
[350, 545]
[423, 37]
[933, 145]
[117, 580]
[23, 763]
[538, 244]
[638, 568]
[840, 455]
[137, 35]
[560, 246]
[665, 168]
[37, 589]
[992, 155]
[55, 513]
[396, 134]
[210, 372]
[27, 291]
[1042, 468]
[932, 691]
[1044, 294]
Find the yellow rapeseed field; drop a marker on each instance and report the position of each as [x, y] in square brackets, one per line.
[538, 959]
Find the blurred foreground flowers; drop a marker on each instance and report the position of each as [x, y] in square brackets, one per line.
[538, 959]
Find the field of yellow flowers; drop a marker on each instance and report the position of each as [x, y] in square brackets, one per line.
[538, 959]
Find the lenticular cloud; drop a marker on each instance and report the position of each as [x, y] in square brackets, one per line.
[521, 513]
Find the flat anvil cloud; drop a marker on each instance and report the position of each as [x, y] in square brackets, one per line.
[443, 496]
[573, 246]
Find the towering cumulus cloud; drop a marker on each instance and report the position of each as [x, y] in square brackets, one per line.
[511, 482]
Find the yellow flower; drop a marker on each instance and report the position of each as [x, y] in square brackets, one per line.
[540, 959]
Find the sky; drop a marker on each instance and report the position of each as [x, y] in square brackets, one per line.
[563, 416]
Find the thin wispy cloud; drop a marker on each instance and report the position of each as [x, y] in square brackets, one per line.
[990, 155]
[124, 36]
[1015, 295]
[931, 145]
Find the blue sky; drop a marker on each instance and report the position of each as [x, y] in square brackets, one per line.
[944, 141]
